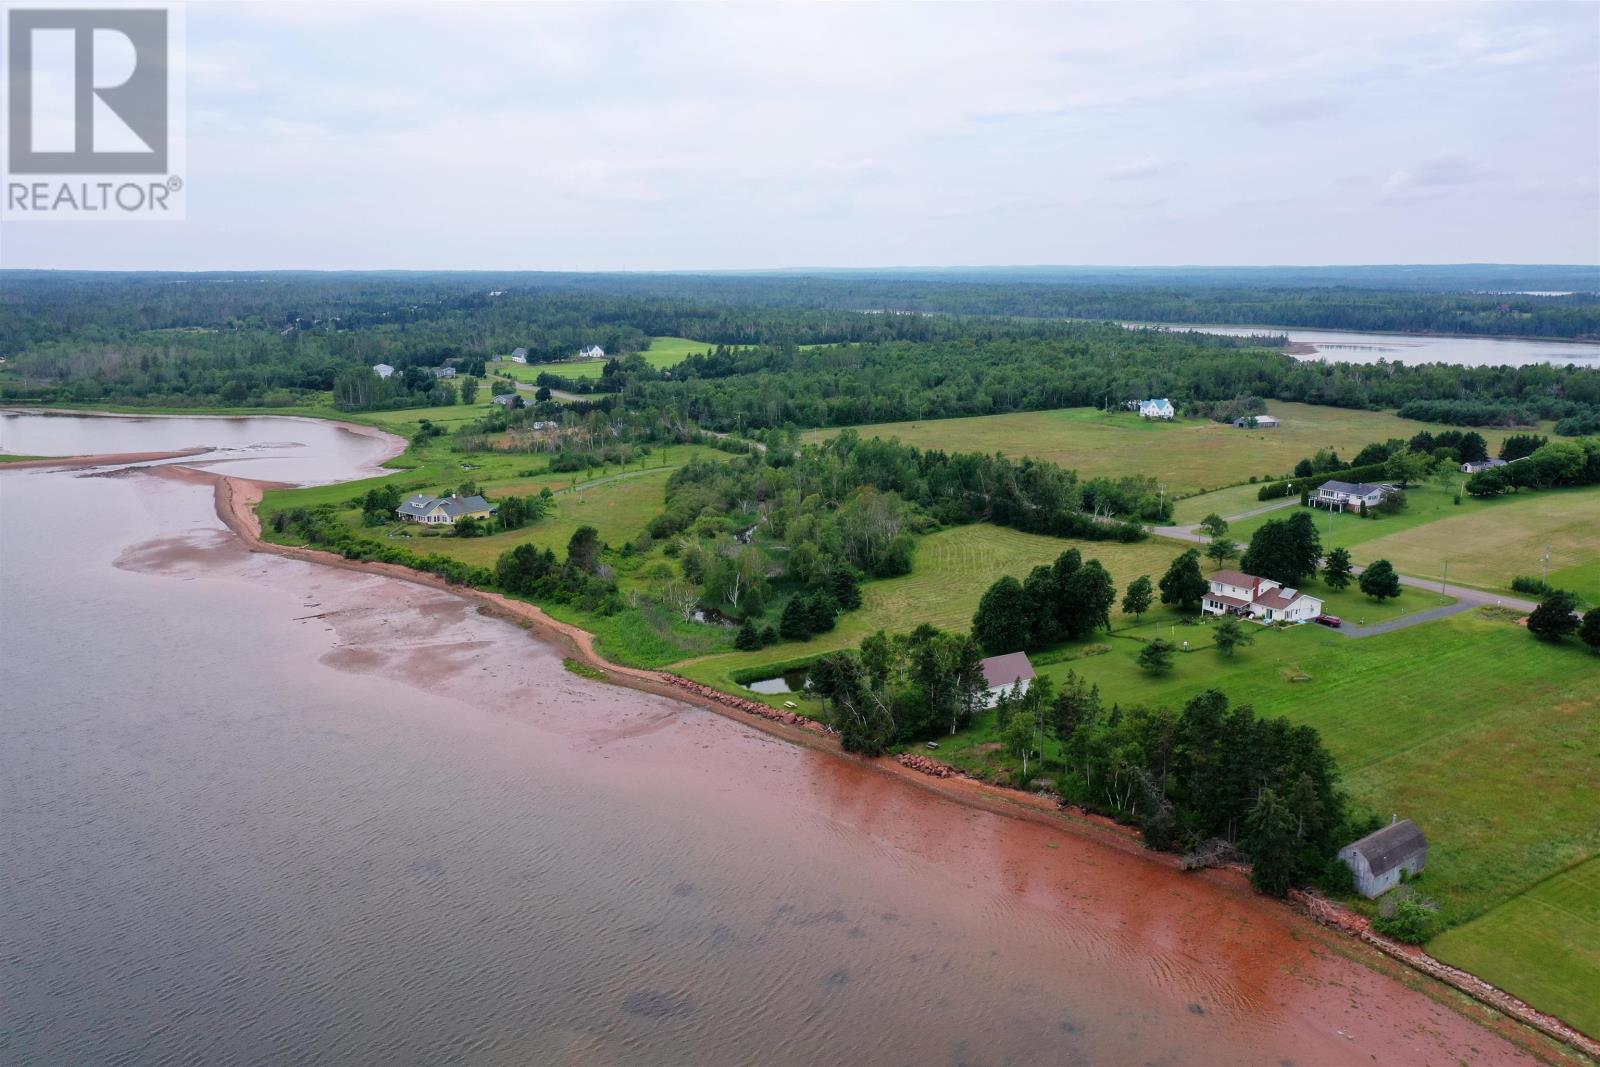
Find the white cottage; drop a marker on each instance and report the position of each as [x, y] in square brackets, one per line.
[1159, 408]
[1260, 599]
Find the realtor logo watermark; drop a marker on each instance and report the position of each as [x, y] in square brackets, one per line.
[94, 110]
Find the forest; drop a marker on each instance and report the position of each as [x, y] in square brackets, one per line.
[783, 350]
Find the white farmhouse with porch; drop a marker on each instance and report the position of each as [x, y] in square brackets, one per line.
[1158, 408]
[1260, 599]
[1005, 674]
[1349, 496]
[592, 352]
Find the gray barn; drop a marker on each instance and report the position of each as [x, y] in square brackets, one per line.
[1379, 859]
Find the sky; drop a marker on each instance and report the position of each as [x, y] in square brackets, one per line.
[704, 136]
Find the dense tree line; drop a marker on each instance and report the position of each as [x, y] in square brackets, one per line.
[277, 338]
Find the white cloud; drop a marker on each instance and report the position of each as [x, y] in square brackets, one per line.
[592, 135]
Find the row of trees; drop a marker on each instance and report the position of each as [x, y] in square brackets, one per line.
[1068, 600]
[1549, 466]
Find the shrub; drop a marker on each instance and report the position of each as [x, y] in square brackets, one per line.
[1405, 918]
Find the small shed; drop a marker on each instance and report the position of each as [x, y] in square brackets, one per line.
[1004, 674]
[1380, 859]
[1256, 422]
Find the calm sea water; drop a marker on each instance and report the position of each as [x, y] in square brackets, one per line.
[1351, 347]
[254, 810]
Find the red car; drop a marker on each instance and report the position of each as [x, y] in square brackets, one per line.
[1330, 620]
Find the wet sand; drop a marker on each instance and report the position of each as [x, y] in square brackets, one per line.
[1255, 981]
[112, 459]
[1203, 944]
[236, 499]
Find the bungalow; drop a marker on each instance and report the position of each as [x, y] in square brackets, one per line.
[1349, 496]
[1261, 599]
[382, 370]
[509, 401]
[1156, 409]
[592, 352]
[1002, 674]
[1256, 422]
[1482, 465]
[444, 372]
[519, 355]
[1380, 859]
[444, 510]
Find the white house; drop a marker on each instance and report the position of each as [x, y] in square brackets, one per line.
[1160, 408]
[1482, 465]
[382, 370]
[444, 372]
[1380, 859]
[1002, 674]
[1256, 422]
[1261, 599]
[519, 355]
[1349, 496]
[443, 510]
[592, 352]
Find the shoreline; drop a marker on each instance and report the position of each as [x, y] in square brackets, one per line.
[236, 499]
[104, 460]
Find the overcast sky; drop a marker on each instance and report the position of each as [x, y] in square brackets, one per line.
[552, 137]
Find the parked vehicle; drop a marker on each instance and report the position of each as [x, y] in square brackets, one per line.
[1330, 620]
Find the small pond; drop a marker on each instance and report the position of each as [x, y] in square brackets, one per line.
[794, 681]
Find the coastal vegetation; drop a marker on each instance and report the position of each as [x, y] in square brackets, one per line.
[869, 503]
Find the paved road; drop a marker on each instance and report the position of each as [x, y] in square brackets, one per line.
[1465, 599]
[1187, 533]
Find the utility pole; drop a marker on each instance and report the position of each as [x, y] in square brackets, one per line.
[1444, 585]
[1546, 578]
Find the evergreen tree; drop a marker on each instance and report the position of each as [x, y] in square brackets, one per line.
[1270, 841]
[1231, 634]
[795, 623]
[845, 589]
[748, 639]
[1156, 656]
[583, 549]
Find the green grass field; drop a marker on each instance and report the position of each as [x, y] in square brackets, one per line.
[1487, 542]
[618, 506]
[1483, 734]
[953, 568]
[664, 352]
[1189, 455]
[1543, 945]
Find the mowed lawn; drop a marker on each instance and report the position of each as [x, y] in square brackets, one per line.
[1189, 455]
[1544, 946]
[1488, 543]
[1486, 736]
[619, 507]
[952, 570]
